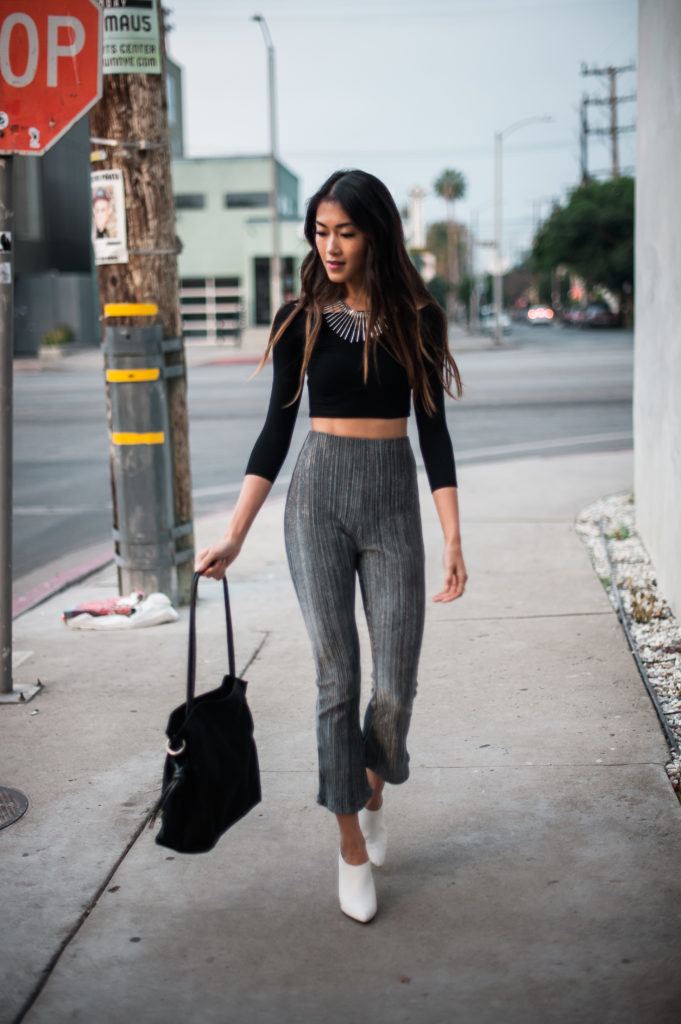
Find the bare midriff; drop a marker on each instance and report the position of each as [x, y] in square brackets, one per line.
[372, 429]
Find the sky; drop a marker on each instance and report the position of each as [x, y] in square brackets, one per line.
[407, 88]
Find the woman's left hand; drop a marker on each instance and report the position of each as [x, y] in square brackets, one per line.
[455, 574]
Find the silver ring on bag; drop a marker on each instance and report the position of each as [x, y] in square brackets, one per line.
[176, 753]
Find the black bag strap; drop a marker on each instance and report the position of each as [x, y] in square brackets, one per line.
[191, 659]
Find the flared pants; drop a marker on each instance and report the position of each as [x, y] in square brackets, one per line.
[352, 512]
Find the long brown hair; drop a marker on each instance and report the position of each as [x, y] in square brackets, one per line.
[394, 289]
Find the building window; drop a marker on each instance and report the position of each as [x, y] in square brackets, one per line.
[288, 284]
[261, 266]
[171, 98]
[190, 201]
[246, 200]
[212, 309]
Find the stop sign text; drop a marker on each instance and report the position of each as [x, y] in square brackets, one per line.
[50, 69]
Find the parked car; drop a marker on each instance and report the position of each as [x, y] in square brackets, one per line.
[540, 316]
[573, 316]
[488, 323]
[598, 314]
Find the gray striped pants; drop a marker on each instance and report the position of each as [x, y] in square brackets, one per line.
[353, 510]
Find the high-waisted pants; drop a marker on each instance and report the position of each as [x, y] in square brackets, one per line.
[352, 511]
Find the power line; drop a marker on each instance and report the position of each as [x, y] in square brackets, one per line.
[473, 10]
[418, 153]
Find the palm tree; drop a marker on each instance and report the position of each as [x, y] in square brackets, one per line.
[450, 186]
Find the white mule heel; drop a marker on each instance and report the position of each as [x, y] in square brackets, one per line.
[356, 890]
[372, 824]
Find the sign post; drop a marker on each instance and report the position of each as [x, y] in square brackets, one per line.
[6, 305]
[50, 75]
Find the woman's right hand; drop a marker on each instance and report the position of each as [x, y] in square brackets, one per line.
[213, 561]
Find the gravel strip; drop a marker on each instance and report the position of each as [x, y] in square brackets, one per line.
[655, 630]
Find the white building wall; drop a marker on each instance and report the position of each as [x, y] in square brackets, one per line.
[657, 361]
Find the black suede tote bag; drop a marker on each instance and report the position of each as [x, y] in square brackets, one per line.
[211, 777]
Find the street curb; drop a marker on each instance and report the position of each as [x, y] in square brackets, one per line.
[231, 361]
[55, 584]
[61, 581]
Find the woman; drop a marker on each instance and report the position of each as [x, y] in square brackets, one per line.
[366, 333]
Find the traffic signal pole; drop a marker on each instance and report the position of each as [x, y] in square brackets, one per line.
[50, 73]
[9, 694]
[129, 134]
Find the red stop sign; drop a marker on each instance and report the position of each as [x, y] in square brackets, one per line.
[50, 69]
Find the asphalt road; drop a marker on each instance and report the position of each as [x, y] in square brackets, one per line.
[548, 391]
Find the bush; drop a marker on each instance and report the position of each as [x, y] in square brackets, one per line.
[61, 335]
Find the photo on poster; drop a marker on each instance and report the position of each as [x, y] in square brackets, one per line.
[109, 234]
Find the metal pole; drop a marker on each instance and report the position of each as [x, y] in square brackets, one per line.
[475, 288]
[497, 237]
[274, 185]
[275, 263]
[498, 277]
[6, 352]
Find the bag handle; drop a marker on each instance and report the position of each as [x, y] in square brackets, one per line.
[191, 660]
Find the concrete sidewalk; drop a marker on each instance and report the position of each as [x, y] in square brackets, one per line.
[532, 875]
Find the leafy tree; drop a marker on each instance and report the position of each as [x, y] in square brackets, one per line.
[543, 285]
[437, 243]
[439, 289]
[450, 186]
[592, 235]
[465, 292]
[517, 283]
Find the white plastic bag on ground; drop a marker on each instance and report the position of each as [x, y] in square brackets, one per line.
[152, 611]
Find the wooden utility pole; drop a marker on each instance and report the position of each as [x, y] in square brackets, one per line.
[613, 130]
[129, 133]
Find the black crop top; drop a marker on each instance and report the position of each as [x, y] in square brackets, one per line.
[336, 389]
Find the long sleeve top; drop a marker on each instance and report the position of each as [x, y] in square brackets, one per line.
[336, 389]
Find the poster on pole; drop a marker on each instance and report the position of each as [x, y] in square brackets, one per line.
[6, 251]
[132, 44]
[109, 229]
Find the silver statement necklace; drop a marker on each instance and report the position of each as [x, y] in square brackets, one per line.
[350, 324]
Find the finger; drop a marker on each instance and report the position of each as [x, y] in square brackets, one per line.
[444, 594]
[201, 564]
[453, 589]
[205, 562]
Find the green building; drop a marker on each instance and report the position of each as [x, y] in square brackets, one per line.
[224, 226]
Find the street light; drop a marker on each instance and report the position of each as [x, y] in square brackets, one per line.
[275, 263]
[498, 139]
